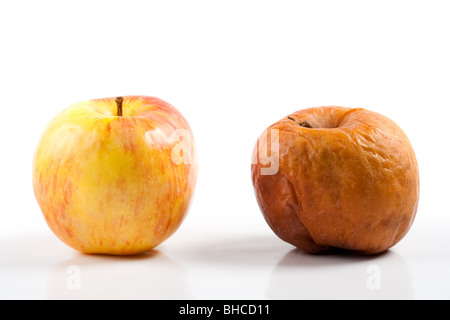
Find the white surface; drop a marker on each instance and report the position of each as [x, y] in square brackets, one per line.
[232, 68]
[226, 263]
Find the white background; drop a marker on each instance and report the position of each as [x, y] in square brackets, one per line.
[232, 68]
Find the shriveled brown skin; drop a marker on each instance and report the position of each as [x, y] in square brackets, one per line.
[350, 182]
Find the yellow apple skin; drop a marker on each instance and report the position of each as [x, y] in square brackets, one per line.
[110, 184]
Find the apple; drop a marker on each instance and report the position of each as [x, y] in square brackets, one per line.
[116, 175]
[336, 177]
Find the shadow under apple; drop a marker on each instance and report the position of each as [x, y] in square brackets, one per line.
[340, 275]
[149, 276]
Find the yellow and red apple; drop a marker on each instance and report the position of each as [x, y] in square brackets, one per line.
[116, 175]
[335, 177]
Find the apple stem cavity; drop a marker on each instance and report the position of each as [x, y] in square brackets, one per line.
[119, 102]
[301, 124]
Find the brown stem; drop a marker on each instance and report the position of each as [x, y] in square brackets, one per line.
[305, 124]
[301, 124]
[119, 102]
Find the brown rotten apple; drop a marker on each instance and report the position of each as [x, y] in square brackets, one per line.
[336, 177]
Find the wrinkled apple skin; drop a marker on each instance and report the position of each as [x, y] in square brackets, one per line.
[108, 184]
[350, 182]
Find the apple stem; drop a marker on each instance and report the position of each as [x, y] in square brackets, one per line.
[301, 124]
[119, 101]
